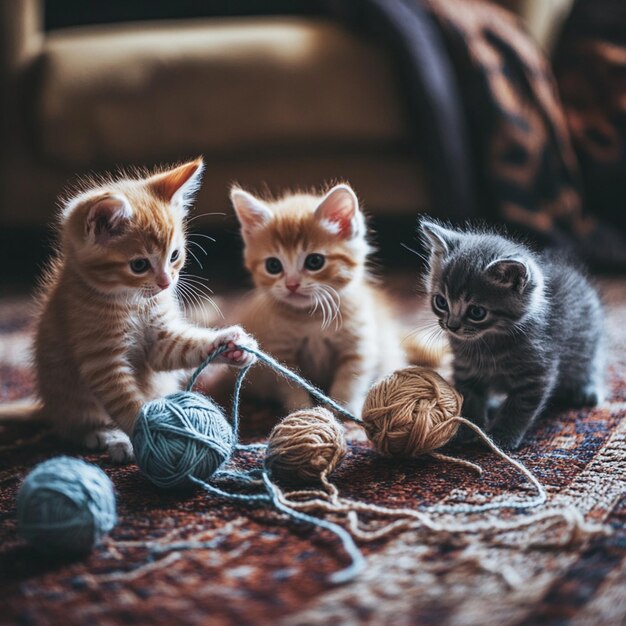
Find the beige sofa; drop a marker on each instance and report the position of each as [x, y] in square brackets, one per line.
[271, 102]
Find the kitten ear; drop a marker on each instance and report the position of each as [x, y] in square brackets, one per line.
[252, 213]
[179, 185]
[512, 273]
[339, 212]
[438, 240]
[107, 218]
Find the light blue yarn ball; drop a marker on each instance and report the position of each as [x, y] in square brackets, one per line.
[182, 434]
[65, 506]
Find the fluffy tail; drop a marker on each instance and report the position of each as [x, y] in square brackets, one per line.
[424, 351]
[28, 409]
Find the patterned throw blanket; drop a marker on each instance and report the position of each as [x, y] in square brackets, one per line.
[506, 152]
[590, 67]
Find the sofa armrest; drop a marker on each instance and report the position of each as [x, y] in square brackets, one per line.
[21, 34]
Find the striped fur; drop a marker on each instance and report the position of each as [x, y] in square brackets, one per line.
[110, 339]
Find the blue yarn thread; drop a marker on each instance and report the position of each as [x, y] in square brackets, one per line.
[65, 505]
[185, 438]
[219, 440]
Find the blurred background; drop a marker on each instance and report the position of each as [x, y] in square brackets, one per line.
[511, 112]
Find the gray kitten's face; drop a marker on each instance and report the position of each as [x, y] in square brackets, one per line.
[478, 283]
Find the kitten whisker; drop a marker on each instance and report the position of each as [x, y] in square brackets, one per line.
[195, 243]
[195, 257]
[194, 288]
[328, 307]
[325, 311]
[195, 217]
[432, 339]
[211, 239]
[196, 280]
[332, 301]
[181, 295]
[336, 298]
[197, 288]
[420, 329]
[415, 252]
[189, 298]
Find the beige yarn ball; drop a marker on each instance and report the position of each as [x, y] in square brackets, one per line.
[307, 445]
[409, 412]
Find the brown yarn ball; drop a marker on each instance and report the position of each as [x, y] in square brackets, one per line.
[408, 413]
[307, 445]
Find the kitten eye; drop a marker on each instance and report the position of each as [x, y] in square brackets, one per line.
[139, 266]
[476, 313]
[314, 262]
[440, 302]
[174, 255]
[273, 265]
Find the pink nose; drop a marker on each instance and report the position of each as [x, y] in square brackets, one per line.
[164, 281]
[293, 287]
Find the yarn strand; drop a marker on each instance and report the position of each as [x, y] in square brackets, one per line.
[358, 562]
[277, 367]
[319, 395]
[413, 412]
[274, 495]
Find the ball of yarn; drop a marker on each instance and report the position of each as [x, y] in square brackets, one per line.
[307, 445]
[65, 506]
[408, 412]
[180, 435]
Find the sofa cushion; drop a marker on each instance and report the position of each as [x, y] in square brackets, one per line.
[214, 86]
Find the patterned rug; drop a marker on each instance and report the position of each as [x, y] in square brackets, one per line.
[259, 568]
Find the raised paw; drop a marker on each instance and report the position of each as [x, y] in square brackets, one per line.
[233, 337]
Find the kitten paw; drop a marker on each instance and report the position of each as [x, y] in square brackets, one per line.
[231, 337]
[121, 452]
[114, 441]
[95, 440]
[507, 440]
[585, 396]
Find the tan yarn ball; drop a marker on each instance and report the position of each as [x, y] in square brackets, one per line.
[409, 412]
[307, 445]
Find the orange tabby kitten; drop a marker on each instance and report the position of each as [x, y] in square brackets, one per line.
[315, 308]
[111, 335]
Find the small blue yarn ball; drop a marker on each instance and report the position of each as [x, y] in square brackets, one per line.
[65, 506]
[180, 435]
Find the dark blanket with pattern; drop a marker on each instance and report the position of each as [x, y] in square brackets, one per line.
[495, 138]
[590, 67]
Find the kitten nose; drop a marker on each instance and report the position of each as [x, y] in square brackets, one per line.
[453, 327]
[293, 287]
[163, 281]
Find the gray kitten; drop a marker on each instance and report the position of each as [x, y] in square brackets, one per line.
[522, 326]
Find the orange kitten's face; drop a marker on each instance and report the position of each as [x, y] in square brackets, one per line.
[303, 250]
[128, 238]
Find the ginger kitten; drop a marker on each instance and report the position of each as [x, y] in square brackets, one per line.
[315, 307]
[111, 334]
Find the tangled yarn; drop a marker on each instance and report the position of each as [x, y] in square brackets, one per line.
[307, 445]
[65, 506]
[411, 412]
[185, 439]
[181, 435]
